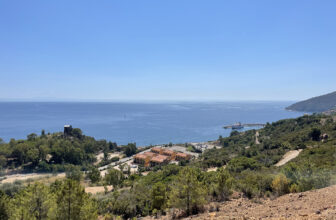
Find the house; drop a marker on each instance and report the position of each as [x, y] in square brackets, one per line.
[143, 158]
[139, 158]
[159, 160]
[157, 150]
[169, 153]
[182, 156]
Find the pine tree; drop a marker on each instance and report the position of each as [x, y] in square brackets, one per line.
[34, 202]
[73, 203]
[187, 192]
[224, 184]
[114, 177]
[158, 196]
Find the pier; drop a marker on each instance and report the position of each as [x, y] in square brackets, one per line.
[240, 126]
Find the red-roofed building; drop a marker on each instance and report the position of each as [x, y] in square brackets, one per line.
[143, 158]
[159, 160]
[157, 150]
[171, 154]
[182, 156]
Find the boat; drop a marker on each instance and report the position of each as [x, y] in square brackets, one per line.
[237, 125]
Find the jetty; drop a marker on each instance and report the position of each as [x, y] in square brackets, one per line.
[240, 125]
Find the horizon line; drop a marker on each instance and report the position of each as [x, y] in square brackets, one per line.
[140, 100]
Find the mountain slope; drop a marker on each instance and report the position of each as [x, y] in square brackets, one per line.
[317, 104]
[314, 204]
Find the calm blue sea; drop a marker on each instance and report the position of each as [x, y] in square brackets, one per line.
[144, 123]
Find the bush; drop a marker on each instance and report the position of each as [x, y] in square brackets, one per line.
[254, 184]
[243, 163]
[294, 188]
[280, 185]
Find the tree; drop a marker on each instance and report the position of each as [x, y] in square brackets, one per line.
[73, 203]
[43, 133]
[224, 184]
[74, 173]
[34, 202]
[234, 133]
[4, 206]
[187, 192]
[315, 134]
[112, 145]
[280, 185]
[130, 149]
[77, 133]
[114, 177]
[94, 175]
[3, 161]
[32, 137]
[239, 164]
[158, 196]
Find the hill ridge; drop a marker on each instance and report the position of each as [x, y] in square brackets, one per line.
[320, 103]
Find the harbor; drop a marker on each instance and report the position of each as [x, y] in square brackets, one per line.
[241, 126]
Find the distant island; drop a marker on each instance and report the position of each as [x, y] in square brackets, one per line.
[321, 103]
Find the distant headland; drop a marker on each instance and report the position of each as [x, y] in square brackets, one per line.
[323, 103]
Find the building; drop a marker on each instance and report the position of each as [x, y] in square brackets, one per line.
[171, 154]
[159, 156]
[157, 150]
[159, 160]
[143, 158]
[139, 158]
[182, 156]
[67, 130]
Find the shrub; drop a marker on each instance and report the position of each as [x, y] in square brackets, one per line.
[280, 185]
[294, 188]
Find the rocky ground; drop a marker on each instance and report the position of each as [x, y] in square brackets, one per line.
[316, 204]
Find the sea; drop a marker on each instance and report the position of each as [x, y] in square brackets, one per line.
[142, 123]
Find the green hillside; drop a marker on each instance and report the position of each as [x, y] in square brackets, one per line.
[245, 166]
[317, 104]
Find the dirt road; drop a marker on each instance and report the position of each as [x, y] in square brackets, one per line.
[290, 155]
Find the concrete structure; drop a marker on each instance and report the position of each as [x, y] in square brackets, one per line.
[67, 130]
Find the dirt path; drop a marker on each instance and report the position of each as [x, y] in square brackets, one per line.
[290, 155]
[257, 138]
[34, 176]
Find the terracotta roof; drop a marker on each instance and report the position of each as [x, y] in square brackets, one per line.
[156, 149]
[159, 159]
[169, 152]
[182, 155]
[140, 156]
[149, 154]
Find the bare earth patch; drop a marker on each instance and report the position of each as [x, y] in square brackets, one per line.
[257, 137]
[33, 176]
[97, 189]
[290, 155]
[315, 204]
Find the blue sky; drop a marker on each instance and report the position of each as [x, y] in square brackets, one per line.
[167, 50]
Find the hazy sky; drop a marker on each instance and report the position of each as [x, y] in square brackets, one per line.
[167, 50]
